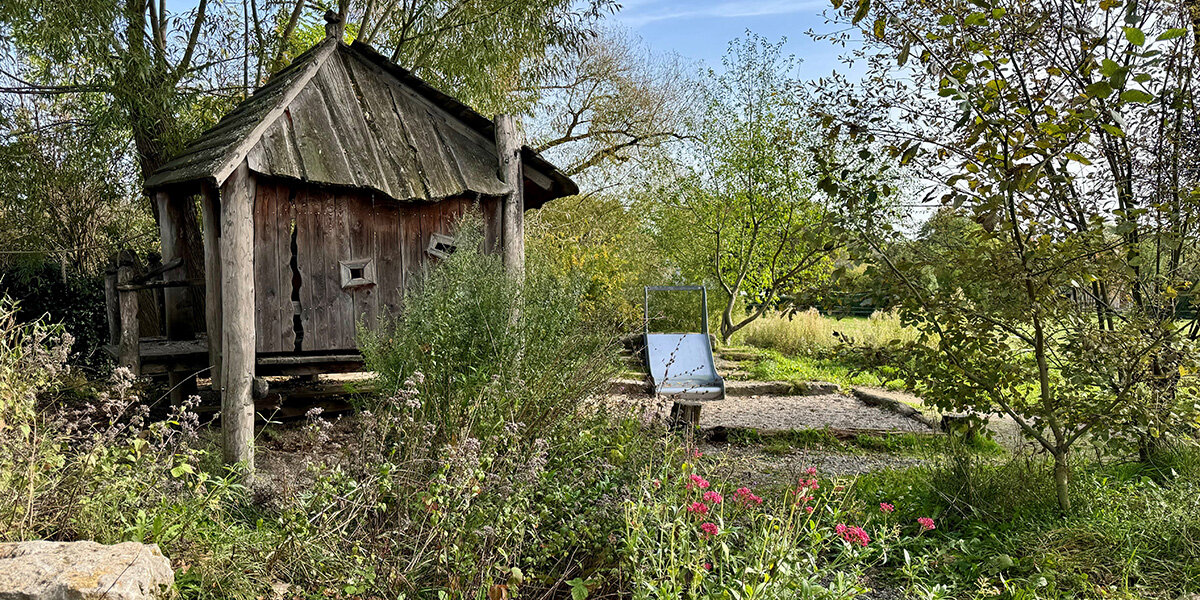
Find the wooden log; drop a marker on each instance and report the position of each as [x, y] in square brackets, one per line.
[210, 208]
[112, 305]
[508, 146]
[685, 415]
[237, 318]
[127, 346]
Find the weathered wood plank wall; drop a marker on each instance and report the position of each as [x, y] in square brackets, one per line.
[326, 229]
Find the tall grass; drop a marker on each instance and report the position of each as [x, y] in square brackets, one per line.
[811, 333]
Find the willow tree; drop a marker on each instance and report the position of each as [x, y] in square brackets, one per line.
[1066, 130]
[163, 76]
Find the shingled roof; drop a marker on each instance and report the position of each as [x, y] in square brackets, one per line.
[346, 116]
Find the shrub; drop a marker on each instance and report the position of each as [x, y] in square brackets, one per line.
[491, 353]
[77, 302]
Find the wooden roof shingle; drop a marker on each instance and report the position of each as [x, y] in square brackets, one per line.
[343, 115]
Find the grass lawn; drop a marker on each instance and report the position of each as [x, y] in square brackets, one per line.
[805, 347]
[775, 366]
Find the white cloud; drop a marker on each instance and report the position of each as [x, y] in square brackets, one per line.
[637, 13]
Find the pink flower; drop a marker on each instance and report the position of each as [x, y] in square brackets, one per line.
[710, 529]
[696, 453]
[698, 481]
[853, 534]
[811, 471]
[707, 566]
[887, 508]
[699, 508]
[808, 509]
[713, 497]
[745, 497]
[926, 523]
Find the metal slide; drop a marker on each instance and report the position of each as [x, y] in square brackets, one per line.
[681, 364]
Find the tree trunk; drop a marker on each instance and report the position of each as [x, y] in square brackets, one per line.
[1062, 481]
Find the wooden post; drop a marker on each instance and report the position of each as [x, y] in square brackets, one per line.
[127, 349]
[508, 146]
[112, 304]
[685, 415]
[173, 212]
[177, 310]
[210, 208]
[237, 317]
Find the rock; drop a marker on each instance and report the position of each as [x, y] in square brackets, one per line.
[83, 570]
[816, 388]
[885, 400]
[758, 388]
[743, 388]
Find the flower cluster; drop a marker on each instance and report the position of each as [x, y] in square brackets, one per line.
[805, 488]
[713, 497]
[887, 508]
[699, 508]
[926, 524]
[710, 529]
[746, 498]
[698, 482]
[853, 534]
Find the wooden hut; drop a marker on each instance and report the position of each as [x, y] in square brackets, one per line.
[320, 198]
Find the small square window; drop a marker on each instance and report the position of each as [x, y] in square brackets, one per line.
[357, 273]
[441, 246]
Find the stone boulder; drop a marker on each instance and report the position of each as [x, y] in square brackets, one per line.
[83, 571]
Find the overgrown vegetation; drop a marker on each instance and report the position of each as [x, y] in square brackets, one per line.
[1011, 189]
[1132, 532]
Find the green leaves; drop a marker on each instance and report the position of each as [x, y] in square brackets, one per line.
[1099, 89]
[1135, 36]
[1136, 96]
[1171, 34]
[864, 7]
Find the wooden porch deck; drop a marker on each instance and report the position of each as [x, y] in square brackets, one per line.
[159, 356]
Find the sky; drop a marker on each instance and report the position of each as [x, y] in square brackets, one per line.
[701, 29]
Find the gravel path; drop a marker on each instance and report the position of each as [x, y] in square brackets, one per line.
[837, 411]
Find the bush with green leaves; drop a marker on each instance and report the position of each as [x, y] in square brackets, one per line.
[491, 351]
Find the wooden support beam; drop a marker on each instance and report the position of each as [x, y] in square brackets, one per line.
[210, 210]
[112, 304]
[508, 146]
[685, 415]
[127, 346]
[237, 317]
[177, 313]
[175, 211]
